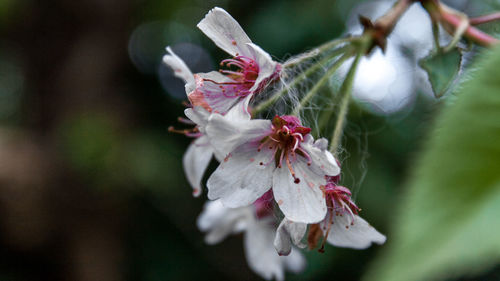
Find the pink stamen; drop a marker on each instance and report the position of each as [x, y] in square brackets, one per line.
[185, 121]
[285, 141]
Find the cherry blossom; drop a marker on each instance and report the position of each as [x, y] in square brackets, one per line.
[260, 154]
[247, 72]
[200, 151]
[342, 226]
[256, 222]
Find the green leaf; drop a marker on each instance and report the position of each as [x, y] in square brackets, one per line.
[447, 224]
[442, 69]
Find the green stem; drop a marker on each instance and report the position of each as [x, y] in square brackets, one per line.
[315, 52]
[435, 34]
[345, 97]
[308, 72]
[305, 100]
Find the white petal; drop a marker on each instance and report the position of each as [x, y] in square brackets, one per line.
[213, 212]
[295, 262]
[220, 221]
[208, 88]
[266, 64]
[241, 179]
[195, 162]
[199, 116]
[226, 132]
[239, 112]
[357, 235]
[289, 232]
[303, 201]
[225, 31]
[322, 160]
[260, 254]
[180, 69]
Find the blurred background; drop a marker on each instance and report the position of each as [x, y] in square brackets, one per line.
[91, 183]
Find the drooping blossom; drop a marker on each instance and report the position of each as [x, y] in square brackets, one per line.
[260, 154]
[200, 151]
[256, 222]
[219, 91]
[342, 226]
[247, 72]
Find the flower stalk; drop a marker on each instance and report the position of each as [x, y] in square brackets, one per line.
[451, 20]
[334, 67]
[485, 18]
[297, 80]
[345, 97]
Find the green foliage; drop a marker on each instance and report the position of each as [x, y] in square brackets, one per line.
[442, 69]
[447, 223]
[88, 143]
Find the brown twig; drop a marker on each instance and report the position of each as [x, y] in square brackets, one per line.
[450, 20]
[485, 18]
[383, 26]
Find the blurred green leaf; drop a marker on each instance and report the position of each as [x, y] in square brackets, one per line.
[442, 69]
[89, 143]
[447, 223]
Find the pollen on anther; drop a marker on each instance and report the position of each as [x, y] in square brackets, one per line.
[233, 42]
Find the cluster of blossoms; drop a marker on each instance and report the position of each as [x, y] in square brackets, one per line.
[275, 182]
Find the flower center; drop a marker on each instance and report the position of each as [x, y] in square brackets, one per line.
[338, 200]
[285, 141]
[339, 203]
[243, 73]
[246, 71]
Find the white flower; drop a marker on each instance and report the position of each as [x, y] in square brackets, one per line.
[342, 226]
[219, 91]
[200, 151]
[261, 154]
[219, 221]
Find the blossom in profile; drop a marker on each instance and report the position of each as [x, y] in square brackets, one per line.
[256, 222]
[199, 153]
[260, 154]
[248, 71]
[342, 226]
